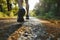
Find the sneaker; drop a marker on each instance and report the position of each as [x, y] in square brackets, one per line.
[27, 16]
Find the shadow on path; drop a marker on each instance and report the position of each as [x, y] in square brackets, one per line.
[5, 33]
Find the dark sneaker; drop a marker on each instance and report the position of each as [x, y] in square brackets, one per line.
[27, 16]
[20, 20]
[21, 14]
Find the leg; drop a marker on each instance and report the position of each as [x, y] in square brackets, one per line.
[27, 9]
[20, 4]
[21, 11]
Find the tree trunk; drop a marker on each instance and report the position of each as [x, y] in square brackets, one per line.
[1, 9]
[9, 5]
[58, 8]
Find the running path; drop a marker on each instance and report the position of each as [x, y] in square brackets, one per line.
[32, 29]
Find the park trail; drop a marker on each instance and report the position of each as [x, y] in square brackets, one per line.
[31, 29]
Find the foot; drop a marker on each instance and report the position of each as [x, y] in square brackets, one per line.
[27, 16]
[20, 20]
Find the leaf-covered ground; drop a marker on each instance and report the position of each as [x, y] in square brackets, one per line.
[52, 27]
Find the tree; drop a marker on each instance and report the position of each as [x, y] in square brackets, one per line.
[1, 9]
[9, 5]
[48, 8]
[58, 8]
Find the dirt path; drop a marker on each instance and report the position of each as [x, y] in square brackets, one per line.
[32, 29]
[52, 28]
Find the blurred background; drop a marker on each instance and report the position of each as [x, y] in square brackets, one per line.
[44, 9]
[47, 11]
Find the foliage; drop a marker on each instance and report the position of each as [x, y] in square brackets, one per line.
[2, 15]
[48, 9]
[32, 13]
[4, 8]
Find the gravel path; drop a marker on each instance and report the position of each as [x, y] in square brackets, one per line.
[32, 29]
